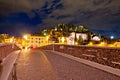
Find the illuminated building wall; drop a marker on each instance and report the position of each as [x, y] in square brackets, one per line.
[71, 38]
[36, 41]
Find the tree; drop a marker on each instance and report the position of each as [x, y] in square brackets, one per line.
[63, 30]
[1, 39]
[82, 29]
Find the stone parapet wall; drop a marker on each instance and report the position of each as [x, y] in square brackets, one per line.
[103, 55]
[6, 49]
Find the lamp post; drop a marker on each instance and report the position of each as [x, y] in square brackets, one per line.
[53, 47]
[47, 39]
[25, 38]
[12, 40]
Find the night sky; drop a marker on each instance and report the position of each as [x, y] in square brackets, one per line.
[27, 16]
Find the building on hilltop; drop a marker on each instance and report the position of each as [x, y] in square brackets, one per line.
[73, 34]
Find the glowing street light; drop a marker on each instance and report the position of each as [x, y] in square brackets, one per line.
[24, 42]
[90, 44]
[102, 44]
[47, 38]
[12, 39]
[111, 37]
[25, 37]
[63, 39]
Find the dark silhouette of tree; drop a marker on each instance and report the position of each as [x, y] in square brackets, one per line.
[1, 39]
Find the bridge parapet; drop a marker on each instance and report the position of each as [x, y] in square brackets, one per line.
[104, 55]
[6, 49]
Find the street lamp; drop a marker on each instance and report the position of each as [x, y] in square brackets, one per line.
[63, 39]
[47, 38]
[25, 37]
[24, 43]
[111, 37]
[12, 41]
[53, 47]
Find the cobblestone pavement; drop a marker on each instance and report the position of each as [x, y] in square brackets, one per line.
[45, 65]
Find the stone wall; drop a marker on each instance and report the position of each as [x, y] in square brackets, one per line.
[103, 55]
[6, 49]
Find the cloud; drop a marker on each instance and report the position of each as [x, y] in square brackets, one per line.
[8, 6]
[22, 18]
[99, 2]
[100, 15]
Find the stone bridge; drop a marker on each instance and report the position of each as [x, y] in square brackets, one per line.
[59, 62]
[7, 59]
[6, 49]
[104, 55]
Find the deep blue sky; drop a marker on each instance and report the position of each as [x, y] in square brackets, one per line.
[27, 16]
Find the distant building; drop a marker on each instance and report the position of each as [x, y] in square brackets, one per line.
[96, 38]
[35, 41]
[5, 35]
[10, 40]
[79, 36]
[117, 44]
